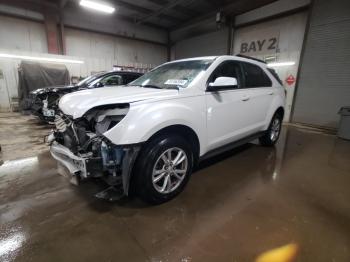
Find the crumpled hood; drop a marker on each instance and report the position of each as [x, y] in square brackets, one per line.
[78, 103]
[57, 89]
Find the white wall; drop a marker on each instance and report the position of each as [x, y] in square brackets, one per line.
[269, 10]
[289, 32]
[22, 35]
[98, 51]
[103, 51]
[87, 19]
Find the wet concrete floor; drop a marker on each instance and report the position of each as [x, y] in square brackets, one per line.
[235, 206]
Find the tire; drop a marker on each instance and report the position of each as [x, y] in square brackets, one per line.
[152, 165]
[273, 132]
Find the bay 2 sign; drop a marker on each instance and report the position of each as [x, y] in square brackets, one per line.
[260, 46]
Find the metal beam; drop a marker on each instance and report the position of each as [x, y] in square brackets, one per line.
[124, 17]
[63, 3]
[160, 11]
[146, 11]
[178, 8]
[187, 11]
[236, 7]
[34, 5]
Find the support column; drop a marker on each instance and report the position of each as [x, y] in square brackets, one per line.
[230, 39]
[52, 34]
[169, 47]
[62, 36]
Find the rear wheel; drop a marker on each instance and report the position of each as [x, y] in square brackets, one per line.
[273, 132]
[163, 169]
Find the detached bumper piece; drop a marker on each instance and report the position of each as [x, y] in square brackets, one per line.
[76, 165]
[114, 167]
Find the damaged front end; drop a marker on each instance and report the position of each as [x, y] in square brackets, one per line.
[80, 146]
[43, 104]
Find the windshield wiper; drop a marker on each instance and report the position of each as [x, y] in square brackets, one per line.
[157, 87]
[151, 86]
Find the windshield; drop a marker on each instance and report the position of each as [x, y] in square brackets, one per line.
[108, 80]
[89, 79]
[173, 75]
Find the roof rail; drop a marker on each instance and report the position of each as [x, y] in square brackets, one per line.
[252, 58]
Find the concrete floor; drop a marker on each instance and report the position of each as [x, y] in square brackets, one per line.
[235, 206]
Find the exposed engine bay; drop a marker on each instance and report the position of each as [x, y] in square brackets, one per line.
[80, 146]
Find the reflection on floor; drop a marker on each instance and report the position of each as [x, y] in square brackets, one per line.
[236, 206]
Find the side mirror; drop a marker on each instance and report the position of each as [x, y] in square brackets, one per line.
[99, 84]
[223, 82]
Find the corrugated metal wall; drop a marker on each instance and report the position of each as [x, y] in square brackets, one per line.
[324, 84]
[22, 35]
[122, 51]
[214, 43]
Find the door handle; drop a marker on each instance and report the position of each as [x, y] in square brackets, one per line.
[245, 98]
[271, 93]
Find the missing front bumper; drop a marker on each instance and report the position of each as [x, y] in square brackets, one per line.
[83, 167]
[76, 165]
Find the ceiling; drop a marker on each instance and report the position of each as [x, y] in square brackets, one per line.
[170, 14]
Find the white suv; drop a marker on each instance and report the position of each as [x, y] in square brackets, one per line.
[146, 137]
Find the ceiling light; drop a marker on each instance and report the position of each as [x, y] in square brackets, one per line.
[281, 64]
[97, 6]
[43, 59]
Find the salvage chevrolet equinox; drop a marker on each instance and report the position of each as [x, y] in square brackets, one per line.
[145, 138]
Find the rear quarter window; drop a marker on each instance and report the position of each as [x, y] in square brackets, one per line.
[275, 75]
[129, 78]
[255, 76]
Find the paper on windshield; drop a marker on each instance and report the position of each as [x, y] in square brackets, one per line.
[176, 82]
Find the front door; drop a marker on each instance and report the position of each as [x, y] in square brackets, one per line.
[228, 110]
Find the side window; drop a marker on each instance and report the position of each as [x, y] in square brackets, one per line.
[275, 75]
[227, 69]
[255, 76]
[112, 80]
[129, 78]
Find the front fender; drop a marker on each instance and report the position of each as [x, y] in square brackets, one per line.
[145, 119]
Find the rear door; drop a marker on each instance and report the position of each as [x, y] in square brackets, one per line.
[127, 78]
[261, 94]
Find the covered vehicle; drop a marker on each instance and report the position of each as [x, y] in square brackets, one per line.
[43, 102]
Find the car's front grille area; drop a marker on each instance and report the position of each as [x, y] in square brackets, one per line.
[61, 123]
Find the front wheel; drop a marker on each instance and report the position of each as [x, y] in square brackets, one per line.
[163, 169]
[273, 132]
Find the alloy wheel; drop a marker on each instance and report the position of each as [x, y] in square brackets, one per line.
[170, 170]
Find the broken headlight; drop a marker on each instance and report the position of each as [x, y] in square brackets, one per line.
[106, 117]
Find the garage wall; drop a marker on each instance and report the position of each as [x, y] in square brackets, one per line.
[101, 51]
[214, 43]
[324, 84]
[22, 35]
[86, 19]
[98, 51]
[279, 40]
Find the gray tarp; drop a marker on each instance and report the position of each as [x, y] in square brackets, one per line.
[33, 75]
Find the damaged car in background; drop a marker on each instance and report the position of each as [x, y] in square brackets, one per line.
[146, 137]
[43, 102]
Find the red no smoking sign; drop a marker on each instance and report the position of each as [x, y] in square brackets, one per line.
[290, 80]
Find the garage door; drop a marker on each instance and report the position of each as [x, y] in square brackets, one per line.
[324, 84]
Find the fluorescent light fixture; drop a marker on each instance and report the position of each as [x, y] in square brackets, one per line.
[281, 64]
[43, 59]
[97, 6]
